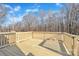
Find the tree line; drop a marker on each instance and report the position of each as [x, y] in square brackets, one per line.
[64, 20]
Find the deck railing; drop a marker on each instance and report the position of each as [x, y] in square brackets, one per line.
[69, 40]
[7, 39]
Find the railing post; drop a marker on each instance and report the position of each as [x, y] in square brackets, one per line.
[78, 47]
[73, 46]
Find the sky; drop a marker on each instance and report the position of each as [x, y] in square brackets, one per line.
[19, 9]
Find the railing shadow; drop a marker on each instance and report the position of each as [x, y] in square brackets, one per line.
[41, 44]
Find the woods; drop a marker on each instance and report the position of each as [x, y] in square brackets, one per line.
[64, 20]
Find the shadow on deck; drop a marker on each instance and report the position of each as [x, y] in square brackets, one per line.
[62, 49]
[12, 50]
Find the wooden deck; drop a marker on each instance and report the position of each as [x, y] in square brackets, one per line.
[32, 45]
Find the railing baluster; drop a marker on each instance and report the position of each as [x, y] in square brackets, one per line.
[7, 39]
[4, 39]
[1, 39]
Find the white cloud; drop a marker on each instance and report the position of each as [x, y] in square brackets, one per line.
[17, 8]
[59, 4]
[11, 18]
[37, 6]
[32, 10]
[11, 10]
[19, 18]
[28, 10]
[8, 6]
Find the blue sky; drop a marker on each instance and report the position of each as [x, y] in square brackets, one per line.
[19, 9]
